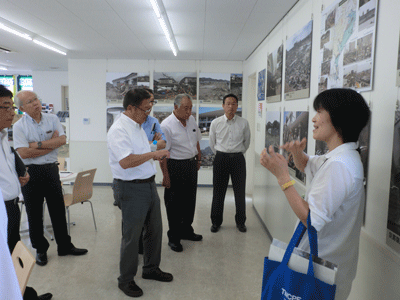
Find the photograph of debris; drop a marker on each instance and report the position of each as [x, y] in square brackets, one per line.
[168, 85]
[214, 86]
[274, 75]
[295, 127]
[298, 64]
[273, 130]
[118, 84]
[207, 156]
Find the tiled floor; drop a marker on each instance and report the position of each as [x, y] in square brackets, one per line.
[225, 265]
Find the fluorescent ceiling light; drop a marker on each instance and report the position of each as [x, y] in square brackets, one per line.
[8, 29]
[162, 17]
[20, 33]
[49, 47]
[3, 68]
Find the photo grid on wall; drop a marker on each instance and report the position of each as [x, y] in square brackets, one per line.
[393, 219]
[261, 85]
[347, 45]
[117, 85]
[273, 130]
[274, 75]
[298, 64]
[295, 127]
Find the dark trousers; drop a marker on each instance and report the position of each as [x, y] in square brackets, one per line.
[140, 206]
[45, 183]
[14, 219]
[225, 165]
[180, 198]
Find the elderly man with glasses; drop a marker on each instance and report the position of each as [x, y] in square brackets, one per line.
[37, 137]
[133, 169]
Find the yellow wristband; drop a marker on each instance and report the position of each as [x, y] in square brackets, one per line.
[287, 184]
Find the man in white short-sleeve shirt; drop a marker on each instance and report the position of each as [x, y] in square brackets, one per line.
[180, 171]
[133, 169]
[37, 137]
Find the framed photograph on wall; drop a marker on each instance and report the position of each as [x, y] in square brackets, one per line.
[295, 127]
[274, 75]
[298, 64]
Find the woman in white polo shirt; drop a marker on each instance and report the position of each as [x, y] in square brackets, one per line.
[335, 195]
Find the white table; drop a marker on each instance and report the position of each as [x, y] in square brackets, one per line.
[67, 176]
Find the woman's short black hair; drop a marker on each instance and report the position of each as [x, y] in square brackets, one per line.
[5, 92]
[228, 96]
[348, 111]
[135, 97]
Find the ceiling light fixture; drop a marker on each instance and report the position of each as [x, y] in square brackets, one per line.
[20, 33]
[13, 31]
[49, 47]
[3, 68]
[162, 18]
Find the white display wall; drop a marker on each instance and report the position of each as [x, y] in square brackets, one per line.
[88, 146]
[375, 256]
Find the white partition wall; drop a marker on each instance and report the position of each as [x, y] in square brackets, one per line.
[376, 257]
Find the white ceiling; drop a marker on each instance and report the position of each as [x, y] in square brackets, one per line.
[128, 29]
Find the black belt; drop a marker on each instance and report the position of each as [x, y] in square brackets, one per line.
[235, 154]
[151, 179]
[15, 200]
[189, 159]
[48, 166]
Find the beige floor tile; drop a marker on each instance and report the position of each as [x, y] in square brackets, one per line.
[225, 265]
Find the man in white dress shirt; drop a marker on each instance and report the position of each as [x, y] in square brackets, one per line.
[180, 171]
[37, 137]
[133, 169]
[229, 140]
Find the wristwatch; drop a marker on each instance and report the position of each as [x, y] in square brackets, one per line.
[39, 145]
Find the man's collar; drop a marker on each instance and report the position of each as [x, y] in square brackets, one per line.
[126, 118]
[32, 119]
[226, 118]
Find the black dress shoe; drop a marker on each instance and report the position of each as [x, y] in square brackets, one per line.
[193, 237]
[115, 203]
[46, 296]
[130, 289]
[41, 258]
[241, 227]
[177, 247]
[215, 228]
[158, 275]
[72, 251]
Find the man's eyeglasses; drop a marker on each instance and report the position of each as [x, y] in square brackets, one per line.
[9, 108]
[146, 111]
[33, 100]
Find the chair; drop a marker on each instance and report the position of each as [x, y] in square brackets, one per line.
[61, 162]
[82, 192]
[23, 261]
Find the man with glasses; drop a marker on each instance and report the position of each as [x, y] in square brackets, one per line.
[133, 169]
[37, 137]
[10, 185]
[180, 171]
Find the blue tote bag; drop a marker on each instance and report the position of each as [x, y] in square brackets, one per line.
[280, 282]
